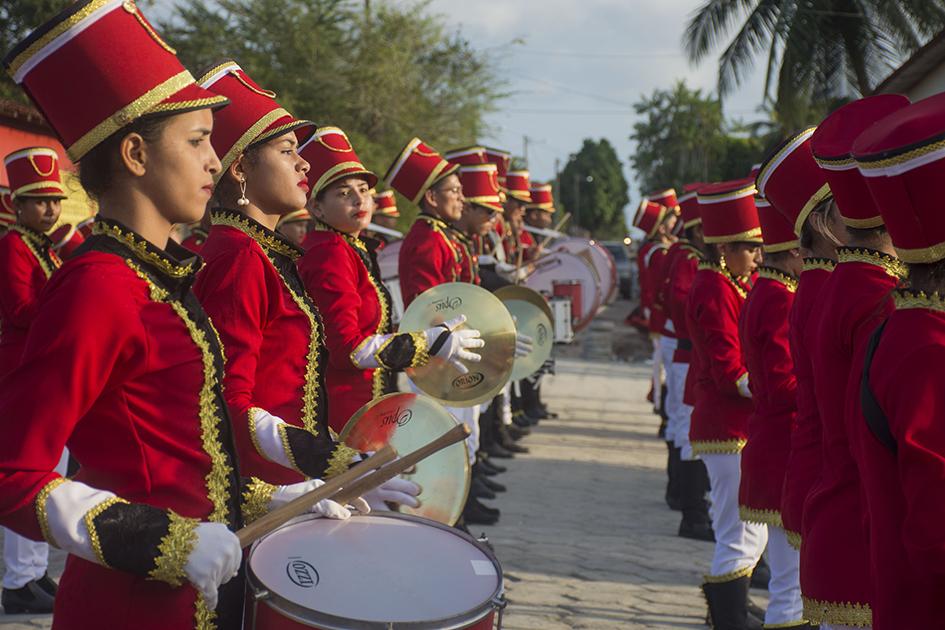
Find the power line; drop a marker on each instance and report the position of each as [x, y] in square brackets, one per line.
[603, 112]
[595, 55]
[571, 90]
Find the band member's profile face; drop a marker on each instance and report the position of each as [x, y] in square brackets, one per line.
[294, 231]
[38, 213]
[447, 197]
[276, 181]
[480, 218]
[539, 218]
[741, 259]
[346, 205]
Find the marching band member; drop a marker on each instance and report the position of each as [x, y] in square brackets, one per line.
[798, 189]
[385, 215]
[718, 431]
[537, 214]
[681, 263]
[835, 568]
[148, 521]
[28, 259]
[895, 393]
[66, 240]
[517, 197]
[7, 215]
[481, 208]
[294, 226]
[339, 271]
[763, 332]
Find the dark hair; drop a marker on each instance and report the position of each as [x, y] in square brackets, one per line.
[816, 223]
[927, 277]
[778, 258]
[97, 167]
[227, 190]
[866, 234]
[713, 253]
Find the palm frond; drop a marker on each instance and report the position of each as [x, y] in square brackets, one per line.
[755, 36]
[710, 23]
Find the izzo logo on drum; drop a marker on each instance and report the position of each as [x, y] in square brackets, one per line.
[542, 335]
[301, 573]
[468, 381]
[399, 416]
[447, 304]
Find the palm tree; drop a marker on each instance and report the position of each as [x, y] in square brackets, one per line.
[819, 50]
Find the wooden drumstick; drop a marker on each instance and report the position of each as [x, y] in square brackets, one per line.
[556, 228]
[301, 505]
[457, 434]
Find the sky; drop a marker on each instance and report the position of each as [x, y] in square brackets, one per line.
[576, 67]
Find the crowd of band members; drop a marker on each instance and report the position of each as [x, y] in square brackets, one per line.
[200, 385]
[797, 315]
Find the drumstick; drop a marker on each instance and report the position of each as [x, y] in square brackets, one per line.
[457, 434]
[556, 228]
[301, 505]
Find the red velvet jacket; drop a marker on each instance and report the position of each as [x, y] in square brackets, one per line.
[340, 273]
[720, 416]
[468, 259]
[137, 371]
[27, 261]
[835, 568]
[763, 329]
[804, 459]
[195, 241]
[427, 258]
[528, 245]
[649, 257]
[681, 264]
[903, 489]
[275, 346]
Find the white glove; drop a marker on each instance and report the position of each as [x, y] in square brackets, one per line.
[523, 343]
[457, 344]
[326, 507]
[267, 435]
[743, 388]
[396, 490]
[214, 561]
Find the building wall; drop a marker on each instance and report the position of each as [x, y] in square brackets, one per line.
[932, 83]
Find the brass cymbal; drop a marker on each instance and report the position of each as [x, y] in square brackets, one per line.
[408, 421]
[485, 313]
[521, 292]
[532, 321]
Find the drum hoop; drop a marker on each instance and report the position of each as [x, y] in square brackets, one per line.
[307, 616]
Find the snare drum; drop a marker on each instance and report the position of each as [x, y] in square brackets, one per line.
[569, 289]
[380, 571]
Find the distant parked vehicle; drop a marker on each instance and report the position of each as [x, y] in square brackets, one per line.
[625, 266]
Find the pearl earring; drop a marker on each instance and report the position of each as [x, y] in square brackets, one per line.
[242, 201]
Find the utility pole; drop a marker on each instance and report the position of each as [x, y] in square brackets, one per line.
[577, 200]
[525, 141]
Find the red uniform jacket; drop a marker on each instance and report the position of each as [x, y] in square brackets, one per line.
[903, 489]
[649, 258]
[720, 416]
[427, 258]
[340, 273]
[275, 346]
[681, 263]
[835, 567]
[763, 329]
[468, 259]
[27, 261]
[195, 241]
[137, 370]
[803, 465]
[528, 245]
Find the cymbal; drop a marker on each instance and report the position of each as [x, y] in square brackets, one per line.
[408, 421]
[532, 321]
[521, 292]
[485, 313]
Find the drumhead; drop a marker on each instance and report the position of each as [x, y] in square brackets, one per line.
[371, 571]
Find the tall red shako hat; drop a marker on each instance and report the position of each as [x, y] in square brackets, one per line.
[481, 185]
[649, 216]
[518, 186]
[689, 206]
[34, 172]
[417, 168]
[331, 158]
[502, 160]
[902, 159]
[466, 155]
[728, 212]
[776, 231]
[832, 145]
[7, 215]
[66, 239]
[542, 197]
[666, 198]
[791, 180]
[253, 116]
[385, 203]
[98, 66]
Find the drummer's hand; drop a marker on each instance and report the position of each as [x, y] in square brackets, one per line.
[523, 345]
[326, 507]
[214, 560]
[457, 343]
[394, 490]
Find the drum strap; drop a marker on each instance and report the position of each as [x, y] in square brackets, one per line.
[876, 420]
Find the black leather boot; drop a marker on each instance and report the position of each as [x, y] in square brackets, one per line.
[505, 440]
[29, 598]
[490, 468]
[475, 513]
[674, 497]
[694, 483]
[727, 605]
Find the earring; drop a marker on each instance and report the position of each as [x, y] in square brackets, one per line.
[242, 201]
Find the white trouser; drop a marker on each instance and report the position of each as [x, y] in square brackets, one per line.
[657, 373]
[667, 348]
[679, 412]
[504, 404]
[468, 416]
[784, 589]
[738, 545]
[26, 560]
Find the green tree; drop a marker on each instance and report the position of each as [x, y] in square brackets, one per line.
[593, 189]
[383, 76]
[816, 49]
[17, 19]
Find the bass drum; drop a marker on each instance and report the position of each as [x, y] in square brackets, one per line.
[563, 266]
[372, 572]
[601, 260]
